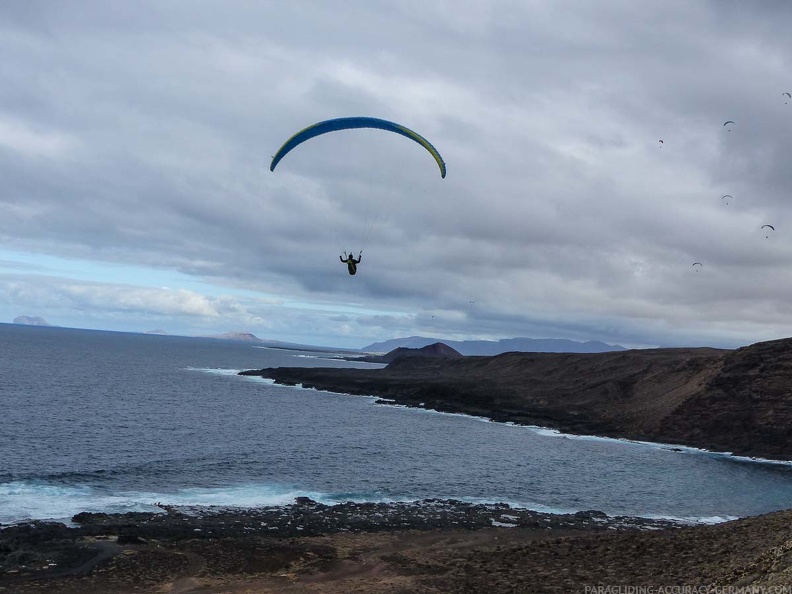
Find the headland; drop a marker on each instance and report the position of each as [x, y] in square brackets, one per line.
[737, 401]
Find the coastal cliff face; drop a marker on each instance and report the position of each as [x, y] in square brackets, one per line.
[738, 401]
[746, 407]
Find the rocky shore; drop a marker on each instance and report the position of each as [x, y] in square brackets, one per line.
[430, 546]
[736, 401]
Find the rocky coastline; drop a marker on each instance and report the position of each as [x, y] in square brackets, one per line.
[737, 401]
[430, 546]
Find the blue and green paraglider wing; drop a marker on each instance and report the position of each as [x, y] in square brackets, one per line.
[351, 123]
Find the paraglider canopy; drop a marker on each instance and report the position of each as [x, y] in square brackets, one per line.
[352, 123]
[727, 123]
[787, 95]
[727, 198]
[768, 227]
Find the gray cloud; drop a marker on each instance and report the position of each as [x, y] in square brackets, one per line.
[142, 134]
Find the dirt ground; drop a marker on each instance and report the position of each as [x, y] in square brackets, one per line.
[749, 552]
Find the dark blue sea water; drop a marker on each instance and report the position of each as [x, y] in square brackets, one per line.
[106, 421]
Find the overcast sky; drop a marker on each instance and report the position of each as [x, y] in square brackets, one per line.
[136, 139]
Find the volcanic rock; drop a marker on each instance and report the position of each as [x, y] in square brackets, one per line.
[738, 401]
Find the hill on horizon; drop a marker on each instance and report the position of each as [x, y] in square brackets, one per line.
[492, 347]
[31, 321]
[437, 349]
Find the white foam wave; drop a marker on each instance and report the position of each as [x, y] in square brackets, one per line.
[234, 496]
[671, 447]
[22, 501]
[231, 372]
[692, 520]
[214, 370]
[30, 500]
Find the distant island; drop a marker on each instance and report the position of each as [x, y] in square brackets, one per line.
[371, 351]
[242, 336]
[31, 321]
[463, 347]
[496, 347]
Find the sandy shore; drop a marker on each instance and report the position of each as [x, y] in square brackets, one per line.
[432, 547]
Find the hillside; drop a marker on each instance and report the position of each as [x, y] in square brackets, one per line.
[738, 401]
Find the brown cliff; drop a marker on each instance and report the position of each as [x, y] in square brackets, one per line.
[738, 401]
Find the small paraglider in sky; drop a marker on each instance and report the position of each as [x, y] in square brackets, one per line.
[768, 227]
[787, 95]
[661, 142]
[728, 125]
[726, 198]
[699, 264]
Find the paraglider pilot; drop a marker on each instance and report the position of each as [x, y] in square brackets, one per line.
[351, 262]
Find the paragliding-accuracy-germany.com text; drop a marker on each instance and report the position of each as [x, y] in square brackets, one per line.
[688, 589]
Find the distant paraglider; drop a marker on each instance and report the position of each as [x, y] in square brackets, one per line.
[728, 125]
[787, 95]
[727, 198]
[699, 264]
[768, 227]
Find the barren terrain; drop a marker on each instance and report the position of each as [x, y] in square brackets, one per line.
[736, 401]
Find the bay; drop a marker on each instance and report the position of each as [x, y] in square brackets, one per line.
[108, 421]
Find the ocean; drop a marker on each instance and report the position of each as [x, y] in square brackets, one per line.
[117, 422]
